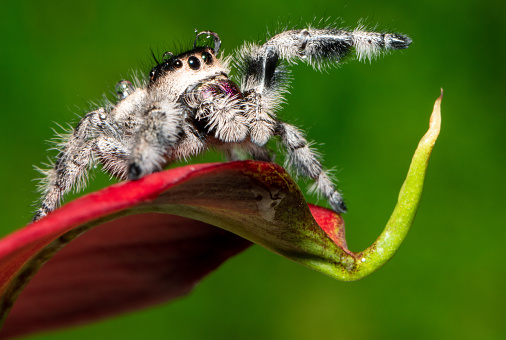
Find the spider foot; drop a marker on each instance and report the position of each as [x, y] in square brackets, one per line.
[134, 171]
[337, 203]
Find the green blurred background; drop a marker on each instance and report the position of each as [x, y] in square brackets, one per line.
[448, 279]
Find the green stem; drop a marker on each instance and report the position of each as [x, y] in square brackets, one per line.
[383, 249]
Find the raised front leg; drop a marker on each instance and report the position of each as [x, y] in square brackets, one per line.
[320, 47]
[265, 79]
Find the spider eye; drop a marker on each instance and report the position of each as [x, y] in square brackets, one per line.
[152, 74]
[208, 59]
[194, 63]
[178, 63]
[166, 66]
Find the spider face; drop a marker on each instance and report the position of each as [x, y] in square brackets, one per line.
[197, 60]
[189, 104]
[177, 73]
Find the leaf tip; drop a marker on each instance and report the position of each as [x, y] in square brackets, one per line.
[434, 124]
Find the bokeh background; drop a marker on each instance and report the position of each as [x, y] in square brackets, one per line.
[448, 279]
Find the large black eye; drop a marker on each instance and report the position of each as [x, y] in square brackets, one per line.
[178, 63]
[194, 63]
[207, 57]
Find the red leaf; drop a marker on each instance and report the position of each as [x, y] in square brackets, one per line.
[134, 251]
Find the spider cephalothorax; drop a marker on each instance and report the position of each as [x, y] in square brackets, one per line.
[190, 104]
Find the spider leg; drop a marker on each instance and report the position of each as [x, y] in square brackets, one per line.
[160, 130]
[321, 47]
[262, 96]
[113, 154]
[72, 163]
[190, 144]
[265, 79]
[305, 161]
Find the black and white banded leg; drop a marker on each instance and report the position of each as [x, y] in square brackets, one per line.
[304, 160]
[71, 164]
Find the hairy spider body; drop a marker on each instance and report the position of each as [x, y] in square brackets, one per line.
[190, 104]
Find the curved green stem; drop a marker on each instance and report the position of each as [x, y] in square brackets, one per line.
[383, 249]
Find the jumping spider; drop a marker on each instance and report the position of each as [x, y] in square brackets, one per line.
[190, 104]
